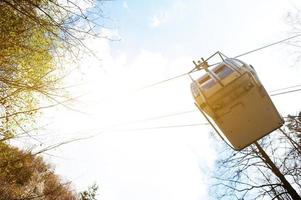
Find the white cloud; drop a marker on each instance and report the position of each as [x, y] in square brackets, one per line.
[158, 19]
[176, 10]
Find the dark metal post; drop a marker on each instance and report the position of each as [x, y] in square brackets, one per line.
[289, 188]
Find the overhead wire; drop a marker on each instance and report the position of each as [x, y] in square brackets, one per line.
[240, 55]
[194, 110]
[176, 114]
[285, 92]
[163, 81]
[158, 127]
[149, 119]
[163, 116]
[269, 45]
[285, 88]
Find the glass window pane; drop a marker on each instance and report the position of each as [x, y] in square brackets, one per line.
[223, 71]
[208, 84]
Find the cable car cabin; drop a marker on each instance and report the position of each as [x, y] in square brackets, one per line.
[236, 103]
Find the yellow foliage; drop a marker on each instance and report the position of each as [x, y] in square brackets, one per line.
[27, 45]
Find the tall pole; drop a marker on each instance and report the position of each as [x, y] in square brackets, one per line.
[288, 187]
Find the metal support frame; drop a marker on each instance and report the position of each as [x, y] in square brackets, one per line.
[204, 65]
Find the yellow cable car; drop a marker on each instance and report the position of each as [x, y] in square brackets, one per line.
[234, 101]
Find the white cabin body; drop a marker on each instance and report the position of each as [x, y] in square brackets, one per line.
[236, 103]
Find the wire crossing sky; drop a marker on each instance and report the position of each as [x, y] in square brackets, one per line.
[238, 56]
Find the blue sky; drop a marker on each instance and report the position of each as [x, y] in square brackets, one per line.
[158, 40]
[193, 27]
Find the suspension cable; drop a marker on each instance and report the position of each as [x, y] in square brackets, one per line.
[240, 55]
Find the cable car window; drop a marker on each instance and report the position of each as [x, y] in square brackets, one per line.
[223, 71]
[204, 79]
[207, 82]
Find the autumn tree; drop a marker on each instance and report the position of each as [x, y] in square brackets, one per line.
[35, 36]
[24, 175]
[89, 194]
